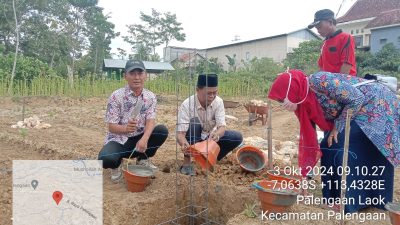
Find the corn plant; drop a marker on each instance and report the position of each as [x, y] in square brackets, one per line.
[249, 210]
[23, 132]
[89, 86]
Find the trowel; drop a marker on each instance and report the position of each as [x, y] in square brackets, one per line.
[137, 108]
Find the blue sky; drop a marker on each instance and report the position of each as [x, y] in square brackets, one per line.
[210, 23]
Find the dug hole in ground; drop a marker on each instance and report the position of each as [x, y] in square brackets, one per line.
[77, 131]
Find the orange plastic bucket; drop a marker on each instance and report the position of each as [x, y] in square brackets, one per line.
[281, 177]
[251, 158]
[205, 153]
[394, 212]
[137, 177]
[273, 198]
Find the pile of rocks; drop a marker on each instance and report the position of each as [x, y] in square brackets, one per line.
[31, 122]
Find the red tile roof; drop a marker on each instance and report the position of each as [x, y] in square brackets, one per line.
[385, 19]
[363, 9]
[189, 56]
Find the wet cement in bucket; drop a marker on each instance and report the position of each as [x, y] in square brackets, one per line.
[393, 207]
[140, 170]
[251, 161]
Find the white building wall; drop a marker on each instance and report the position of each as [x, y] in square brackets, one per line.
[275, 48]
[357, 28]
[294, 39]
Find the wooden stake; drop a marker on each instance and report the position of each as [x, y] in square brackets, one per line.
[344, 163]
[269, 130]
[23, 108]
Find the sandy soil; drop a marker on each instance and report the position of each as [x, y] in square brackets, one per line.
[78, 132]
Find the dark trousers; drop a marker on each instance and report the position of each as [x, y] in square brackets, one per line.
[227, 143]
[366, 166]
[113, 152]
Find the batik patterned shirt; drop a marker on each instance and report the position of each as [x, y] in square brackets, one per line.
[120, 108]
[376, 109]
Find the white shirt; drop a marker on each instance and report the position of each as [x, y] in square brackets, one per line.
[210, 118]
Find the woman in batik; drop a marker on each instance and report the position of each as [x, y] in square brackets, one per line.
[323, 99]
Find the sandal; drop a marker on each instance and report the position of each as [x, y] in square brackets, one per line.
[187, 170]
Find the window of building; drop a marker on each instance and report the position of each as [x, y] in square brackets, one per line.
[362, 30]
[351, 32]
[247, 56]
[357, 31]
[383, 41]
[368, 39]
[358, 40]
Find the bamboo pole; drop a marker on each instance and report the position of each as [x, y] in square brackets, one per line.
[269, 131]
[344, 163]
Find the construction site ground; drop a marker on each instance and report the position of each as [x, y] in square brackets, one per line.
[77, 131]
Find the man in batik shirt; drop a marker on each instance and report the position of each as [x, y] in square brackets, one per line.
[130, 116]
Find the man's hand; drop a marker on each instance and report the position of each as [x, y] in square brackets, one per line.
[131, 126]
[185, 146]
[181, 139]
[214, 136]
[332, 136]
[141, 145]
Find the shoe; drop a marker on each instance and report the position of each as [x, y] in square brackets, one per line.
[188, 170]
[116, 174]
[147, 163]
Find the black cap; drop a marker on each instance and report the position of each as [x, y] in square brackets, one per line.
[323, 14]
[207, 80]
[133, 64]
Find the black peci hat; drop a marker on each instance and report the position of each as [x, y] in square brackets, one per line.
[207, 80]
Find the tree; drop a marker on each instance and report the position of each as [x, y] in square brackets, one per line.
[364, 60]
[388, 58]
[141, 52]
[43, 36]
[266, 66]
[156, 29]
[144, 35]
[10, 87]
[209, 66]
[57, 32]
[386, 61]
[27, 68]
[305, 57]
[231, 62]
[9, 13]
[76, 28]
[170, 29]
[155, 58]
[121, 53]
[100, 32]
